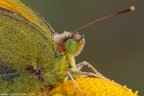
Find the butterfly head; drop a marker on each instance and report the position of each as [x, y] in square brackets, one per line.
[70, 43]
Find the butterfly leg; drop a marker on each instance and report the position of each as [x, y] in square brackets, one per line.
[75, 83]
[95, 74]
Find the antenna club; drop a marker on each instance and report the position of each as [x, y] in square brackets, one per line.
[132, 8]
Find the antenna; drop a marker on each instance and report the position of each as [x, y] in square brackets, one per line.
[131, 9]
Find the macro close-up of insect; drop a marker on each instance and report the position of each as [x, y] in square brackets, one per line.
[34, 58]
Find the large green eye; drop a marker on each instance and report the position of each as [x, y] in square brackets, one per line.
[71, 46]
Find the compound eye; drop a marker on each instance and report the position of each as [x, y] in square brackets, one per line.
[71, 46]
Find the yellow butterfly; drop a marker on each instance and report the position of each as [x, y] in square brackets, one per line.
[32, 56]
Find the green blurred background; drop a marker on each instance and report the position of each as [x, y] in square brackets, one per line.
[115, 46]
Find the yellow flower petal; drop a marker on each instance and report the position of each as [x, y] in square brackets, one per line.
[93, 87]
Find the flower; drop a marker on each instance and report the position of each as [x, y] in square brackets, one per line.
[92, 87]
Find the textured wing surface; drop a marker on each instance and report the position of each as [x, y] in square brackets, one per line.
[22, 44]
[20, 8]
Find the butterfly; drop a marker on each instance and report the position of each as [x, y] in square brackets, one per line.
[32, 56]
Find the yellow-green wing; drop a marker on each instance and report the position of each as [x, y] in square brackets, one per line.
[20, 8]
[22, 44]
